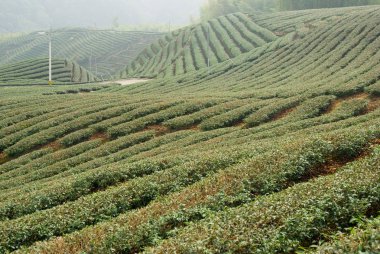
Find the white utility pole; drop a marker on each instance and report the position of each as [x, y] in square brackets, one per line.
[50, 56]
[208, 47]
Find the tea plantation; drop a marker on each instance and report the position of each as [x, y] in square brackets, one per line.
[196, 47]
[103, 52]
[37, 72]
[274, 148]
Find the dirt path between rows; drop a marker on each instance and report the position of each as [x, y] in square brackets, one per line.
[127, 82]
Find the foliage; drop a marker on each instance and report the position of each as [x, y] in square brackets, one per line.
[34, 72]
[193, 48]
[275, 150]
[361, 239]
[101, 52]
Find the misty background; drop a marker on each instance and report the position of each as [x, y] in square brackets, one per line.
[31, 15]
[149, 15]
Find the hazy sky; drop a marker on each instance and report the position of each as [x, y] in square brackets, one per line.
[21, 15]
[127, 11]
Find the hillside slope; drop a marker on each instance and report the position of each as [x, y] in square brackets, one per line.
[196, 47]
[338, 57]
[101, 52]
[192, 49]
[37, 72]
[276, 151]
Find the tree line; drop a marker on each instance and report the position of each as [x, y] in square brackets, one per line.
[215, 8]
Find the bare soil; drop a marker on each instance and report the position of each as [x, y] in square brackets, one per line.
[54, 145]
[127, 82]
[373, 104]
[240, 124]
[159, 129]
[100, 135]
[335, 104]
[283, 114]
[3, 158]
[332, 166]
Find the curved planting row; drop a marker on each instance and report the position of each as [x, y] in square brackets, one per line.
[35, 187]
[221, 190]
[343, 52]
[101, 52]
[192, 48]
[273, 151]
[37, 72]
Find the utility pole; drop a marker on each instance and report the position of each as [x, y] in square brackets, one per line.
[7, 57]
[96, 67]
[50, 39]
[208, 47]
[90, 60]
[50, 56]
[49, 34]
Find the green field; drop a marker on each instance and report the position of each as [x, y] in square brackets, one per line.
[32, 72]
[224, 38]
[103, 53]
[274, 148]
[196, 47]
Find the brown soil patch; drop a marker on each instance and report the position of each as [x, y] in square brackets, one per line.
[193, 127]
[162, 130]
[3, 158]
[282, 114]
[332, 166]
[373, 104]
[159, 129]
[100, 135]
[374, 143]
[329, 168]
[357, 96]
[240, 124]
[54, 145]
[336, 103]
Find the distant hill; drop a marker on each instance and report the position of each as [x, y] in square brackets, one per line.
[329, 51]
[190, 49]
[37, 72]
[101, 52]
[196, 47]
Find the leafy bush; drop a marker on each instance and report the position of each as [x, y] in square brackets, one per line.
[361, 239]
[285, 221]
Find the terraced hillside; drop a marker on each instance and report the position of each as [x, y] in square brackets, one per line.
[196, 47]
[340, 57]
[275, 152]
[101, 52]
[225, 38]
[37, 72]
